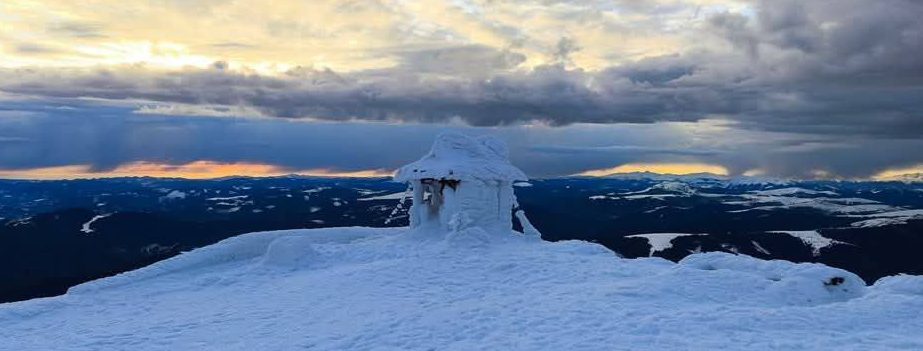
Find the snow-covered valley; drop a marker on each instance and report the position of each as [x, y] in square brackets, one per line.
[86, 230]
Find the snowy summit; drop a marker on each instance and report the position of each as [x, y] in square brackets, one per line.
[461, 279]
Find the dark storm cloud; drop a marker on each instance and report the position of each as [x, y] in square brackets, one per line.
[73, 132]
[550, 94]
[619, 149]
[106, 137]
[822, 67]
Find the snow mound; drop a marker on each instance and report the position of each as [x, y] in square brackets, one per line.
[782, 282]
[461, 157]
[900, 284]
[257, 247]
[364, 288]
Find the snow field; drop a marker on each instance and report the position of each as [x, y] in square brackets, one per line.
[370, 289]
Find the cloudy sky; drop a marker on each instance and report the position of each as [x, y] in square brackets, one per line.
[812, 89]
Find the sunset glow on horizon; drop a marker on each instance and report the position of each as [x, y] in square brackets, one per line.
[192, 170]
[660, 168]
[897, 173]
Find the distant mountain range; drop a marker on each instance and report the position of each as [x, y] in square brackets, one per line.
[55, 234]
[904, 178]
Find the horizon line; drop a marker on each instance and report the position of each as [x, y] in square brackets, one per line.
[613, 176]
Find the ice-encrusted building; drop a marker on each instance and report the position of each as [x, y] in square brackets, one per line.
[463, 182]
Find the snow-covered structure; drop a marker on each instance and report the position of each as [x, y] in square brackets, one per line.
[463, 182]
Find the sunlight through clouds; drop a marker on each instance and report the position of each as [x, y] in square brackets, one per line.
[344, 36]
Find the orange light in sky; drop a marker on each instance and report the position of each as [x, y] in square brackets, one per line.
[661, 168]
[192, 170]
[896, 174]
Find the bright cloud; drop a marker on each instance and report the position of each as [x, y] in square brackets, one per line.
[344, 36]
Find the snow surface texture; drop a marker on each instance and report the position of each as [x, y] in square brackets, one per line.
[847, 206]
[707, 178]
[793, 191]
[362, 288]
[889, 218]
[394, 196]
[173, 195]
[778, 199]
[676, 189]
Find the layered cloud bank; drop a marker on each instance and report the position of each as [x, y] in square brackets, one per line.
[811, 76]
[820, 66]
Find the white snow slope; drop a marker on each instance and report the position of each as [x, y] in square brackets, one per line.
[364, 289]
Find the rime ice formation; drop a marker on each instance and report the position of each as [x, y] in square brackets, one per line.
[463, 184]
